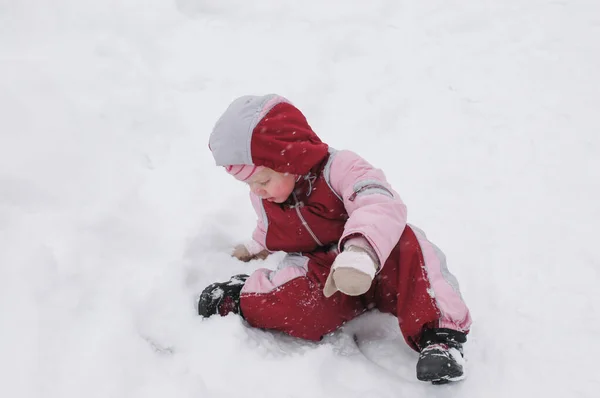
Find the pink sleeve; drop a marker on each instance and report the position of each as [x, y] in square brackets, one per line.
[376, 211]
[259, 236]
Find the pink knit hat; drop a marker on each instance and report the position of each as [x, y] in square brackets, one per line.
[243, 171]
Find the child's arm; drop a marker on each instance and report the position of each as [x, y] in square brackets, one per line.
[376, 211]
[259, 236]
[255, 247]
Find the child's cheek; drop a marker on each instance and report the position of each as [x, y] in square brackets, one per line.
[277, 190]
[280, 190]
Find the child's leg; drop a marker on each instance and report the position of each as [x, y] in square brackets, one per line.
[427, 295]
[291, 299]
[443, 286]
[432, 315]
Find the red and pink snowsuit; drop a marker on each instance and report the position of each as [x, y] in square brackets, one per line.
[338, 196]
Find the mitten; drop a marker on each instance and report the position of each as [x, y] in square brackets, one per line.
[249, 251]
[351, 273]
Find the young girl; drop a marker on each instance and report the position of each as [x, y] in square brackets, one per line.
[349, 248]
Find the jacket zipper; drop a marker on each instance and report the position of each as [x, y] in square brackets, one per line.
[297, 207]
[369, 186]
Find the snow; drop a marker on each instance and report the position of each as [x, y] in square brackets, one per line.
[483, 115]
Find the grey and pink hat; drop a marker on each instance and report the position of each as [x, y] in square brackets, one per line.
[243, 172]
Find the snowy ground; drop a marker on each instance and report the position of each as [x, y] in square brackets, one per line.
[484, 116]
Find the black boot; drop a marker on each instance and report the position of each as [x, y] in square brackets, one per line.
[441, 359]
[222, 297]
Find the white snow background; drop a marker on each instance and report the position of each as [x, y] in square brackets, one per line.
[484, 115]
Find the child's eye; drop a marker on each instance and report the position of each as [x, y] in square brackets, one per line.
[264, 183]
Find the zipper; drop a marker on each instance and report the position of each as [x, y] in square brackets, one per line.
[369, 186]
[297, 207]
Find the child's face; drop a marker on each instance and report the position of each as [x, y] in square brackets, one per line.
[271, 185]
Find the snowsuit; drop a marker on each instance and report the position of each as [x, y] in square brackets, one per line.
[338, 196]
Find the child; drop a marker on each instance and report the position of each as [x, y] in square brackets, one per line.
[344, 230]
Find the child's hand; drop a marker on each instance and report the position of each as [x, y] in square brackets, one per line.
[241, 253]
[352, 273]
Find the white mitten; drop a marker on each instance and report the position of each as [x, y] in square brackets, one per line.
[249, 251]
[351, 273]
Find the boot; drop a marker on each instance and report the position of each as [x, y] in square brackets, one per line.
[441, 358]
[222, 297]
